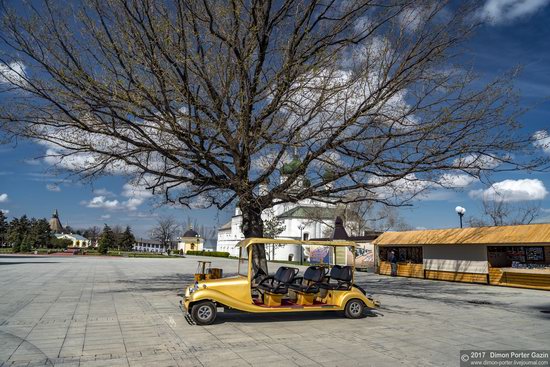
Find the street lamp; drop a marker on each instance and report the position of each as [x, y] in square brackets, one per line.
[301, 228]
[460, 211]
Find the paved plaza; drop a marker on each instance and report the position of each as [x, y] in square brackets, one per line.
[92, 311]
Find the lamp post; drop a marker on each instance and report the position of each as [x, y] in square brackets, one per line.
[460, 211]
[301, 228]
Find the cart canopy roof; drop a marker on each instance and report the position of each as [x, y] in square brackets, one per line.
[252, 241]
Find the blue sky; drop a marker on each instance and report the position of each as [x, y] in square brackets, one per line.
[518, 34]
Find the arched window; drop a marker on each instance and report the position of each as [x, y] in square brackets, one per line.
[306, 236]
[192, 246]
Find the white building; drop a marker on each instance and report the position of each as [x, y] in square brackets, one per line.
[303, 220]
[148, 245]
[190, 241]
[78, 240]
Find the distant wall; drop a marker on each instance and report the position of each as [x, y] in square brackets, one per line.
[456, 258]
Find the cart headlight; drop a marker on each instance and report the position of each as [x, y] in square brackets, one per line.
[194, 288]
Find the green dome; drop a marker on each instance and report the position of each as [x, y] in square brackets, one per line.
[291, 167]
[329, 175]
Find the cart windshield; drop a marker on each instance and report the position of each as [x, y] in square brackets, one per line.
[243, 261]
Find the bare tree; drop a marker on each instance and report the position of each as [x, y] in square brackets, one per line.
[204, 101]
[498, 212]
[118, 231]
[388, 218]
[92, 234]
[360, 217]
[165, 231]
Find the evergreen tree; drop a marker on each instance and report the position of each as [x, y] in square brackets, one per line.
[127, 239]
[17, 230]
[41, 232]
[32, 235]
[3, 228]
[106, 240]
[26, 244]
[272, 228]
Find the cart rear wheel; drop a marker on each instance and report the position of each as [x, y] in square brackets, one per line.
[354, 309]
[204, 313]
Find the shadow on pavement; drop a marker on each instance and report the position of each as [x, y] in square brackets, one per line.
[256, 318]
[542, 311]
[433, 290]
[163, 283]
[12, 343]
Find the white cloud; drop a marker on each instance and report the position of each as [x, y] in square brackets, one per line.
[136, 190]
[512, 190]
[12, 73]
[73, 162]
[136, 194]
[412, 186]
[102, 202]
[406, 187]
[104, 192]
[412, 17]
[105, 216]
[542, 140]
[506, 11]
[476, 162]
[456, 180]
[3, 198]
[53, 187]
[5, 211]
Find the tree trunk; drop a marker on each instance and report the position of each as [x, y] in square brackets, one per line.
[253, 226]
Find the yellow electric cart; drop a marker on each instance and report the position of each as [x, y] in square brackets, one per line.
[318, 288]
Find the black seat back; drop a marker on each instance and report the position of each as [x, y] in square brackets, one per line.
[343, 274]
[314, 274]
[285, 274]
[335, 271]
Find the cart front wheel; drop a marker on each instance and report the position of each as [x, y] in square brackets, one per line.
[354, 309]
[204, 313]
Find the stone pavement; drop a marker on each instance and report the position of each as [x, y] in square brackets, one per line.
[91, 311]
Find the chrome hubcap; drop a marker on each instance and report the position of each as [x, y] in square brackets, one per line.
[204, 312]
[355, 308]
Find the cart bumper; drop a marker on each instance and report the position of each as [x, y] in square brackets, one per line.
[183, 306]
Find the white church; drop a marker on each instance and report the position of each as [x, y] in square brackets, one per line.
[306, 219]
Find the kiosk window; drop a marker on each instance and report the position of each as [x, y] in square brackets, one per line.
[534, 253]
[404, 254]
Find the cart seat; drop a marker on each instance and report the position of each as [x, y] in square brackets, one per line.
[342, 275]
[309, 283]
[279, 283]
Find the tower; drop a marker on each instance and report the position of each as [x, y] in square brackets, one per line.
[55, 223]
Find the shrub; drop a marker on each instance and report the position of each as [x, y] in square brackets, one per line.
[146, 254]
[60, 243]
[209, 253]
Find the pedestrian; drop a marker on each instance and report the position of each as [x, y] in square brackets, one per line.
[393, 262]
